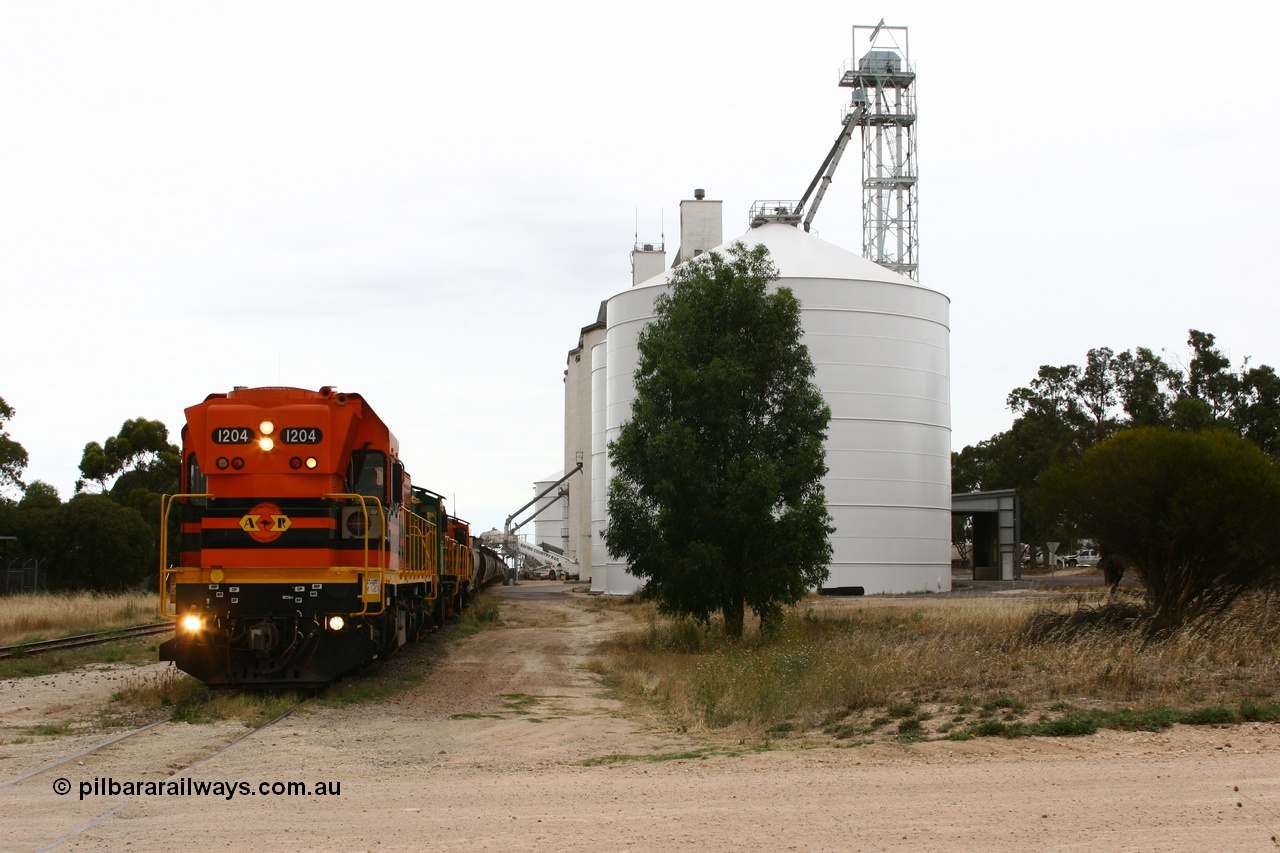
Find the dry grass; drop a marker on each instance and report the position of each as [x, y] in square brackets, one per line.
[482, 613]
[186, 700]
[170, 686]
[30, 617]
[842, 660]
[141, 650]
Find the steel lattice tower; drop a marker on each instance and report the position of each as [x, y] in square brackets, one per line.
[883, 84]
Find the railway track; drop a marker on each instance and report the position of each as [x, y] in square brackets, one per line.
[125, 801]
[85, 640]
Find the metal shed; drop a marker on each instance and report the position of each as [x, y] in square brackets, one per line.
[997, 530]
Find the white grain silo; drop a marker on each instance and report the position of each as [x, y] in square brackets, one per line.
[577, 443]
[599, 498]
[551, 514]
[701, 227]
[880, 346]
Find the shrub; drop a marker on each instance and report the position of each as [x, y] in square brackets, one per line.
[1072, 725]
[1213, 715]
[100, 546]
[1197, 515]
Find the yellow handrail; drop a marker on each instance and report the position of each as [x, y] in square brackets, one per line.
[381, 569]
[420, 541]
[166, 503]
[166, 506]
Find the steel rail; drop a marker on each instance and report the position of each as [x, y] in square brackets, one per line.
[120, 806]
[85, 639]
[81, 754]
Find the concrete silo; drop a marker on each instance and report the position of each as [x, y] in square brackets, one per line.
[880, 346]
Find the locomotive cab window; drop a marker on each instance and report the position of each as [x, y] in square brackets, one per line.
[196, 481]
[368, 474]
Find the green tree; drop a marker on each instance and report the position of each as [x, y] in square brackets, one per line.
[40, 496]
[134, 468]
[1256, 413]
[1146, 387]
[717, 498]
[1096, 386]
[1053, 393]
[139, 456]
[35, 521]
[1209, 378]
[100, 545]
[13, 457]
[1076, 401]
[1197, 515]
[1065, 410]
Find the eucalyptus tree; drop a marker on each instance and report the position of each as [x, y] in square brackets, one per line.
[13, 456]
[717, 498]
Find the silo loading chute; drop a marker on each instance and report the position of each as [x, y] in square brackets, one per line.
[515, 547]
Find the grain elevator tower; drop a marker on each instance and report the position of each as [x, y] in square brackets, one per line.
[883, 83]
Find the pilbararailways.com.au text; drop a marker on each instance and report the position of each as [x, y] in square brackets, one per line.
[188, 787]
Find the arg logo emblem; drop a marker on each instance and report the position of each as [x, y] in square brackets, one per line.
[265, 522]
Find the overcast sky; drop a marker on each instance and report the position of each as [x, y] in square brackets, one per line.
[424, 202]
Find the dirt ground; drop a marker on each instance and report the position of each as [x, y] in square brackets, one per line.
[505, 745]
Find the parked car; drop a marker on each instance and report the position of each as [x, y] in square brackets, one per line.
[1088, 557]
[1083, 557]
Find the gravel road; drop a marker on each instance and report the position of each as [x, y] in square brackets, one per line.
[505, 744]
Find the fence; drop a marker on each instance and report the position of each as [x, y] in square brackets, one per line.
[27, 575]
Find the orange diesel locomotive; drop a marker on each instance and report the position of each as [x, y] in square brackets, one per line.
[304, 549]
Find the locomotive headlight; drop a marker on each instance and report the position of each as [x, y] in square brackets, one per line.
[336, 623]
[192, 623]
[266, 427]
[267, 444]
[311, 462]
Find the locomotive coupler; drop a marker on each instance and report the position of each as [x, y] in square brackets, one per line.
[263, 637]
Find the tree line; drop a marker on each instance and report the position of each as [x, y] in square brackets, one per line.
[1171, 468]
[104, 538]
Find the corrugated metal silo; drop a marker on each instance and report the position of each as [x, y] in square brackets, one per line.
[628, 313]
[599, 497]
[880, 344]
